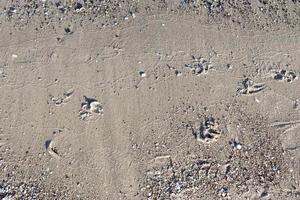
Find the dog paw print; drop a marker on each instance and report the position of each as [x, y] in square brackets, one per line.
[62, 99]
[199, 65]
[89, 108]
[208, 131]
[285, 75]
[250, 87]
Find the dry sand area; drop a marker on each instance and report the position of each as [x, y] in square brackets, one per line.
[162, 99]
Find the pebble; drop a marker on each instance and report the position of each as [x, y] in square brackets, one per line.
[89, 107]
[142, 74]
[96, 107]
[178, 73]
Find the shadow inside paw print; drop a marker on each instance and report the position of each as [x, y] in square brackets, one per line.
[285, 75]
[61, 99]
[250, 87]
[199, 65]
[208, 131]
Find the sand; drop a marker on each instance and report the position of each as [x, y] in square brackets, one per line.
[150, 99]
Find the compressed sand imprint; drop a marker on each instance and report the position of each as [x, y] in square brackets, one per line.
[250, 87]
[208, 131]
[90, 107]
[59, 100]
[199, 66]
[52, 150]
[285, 75]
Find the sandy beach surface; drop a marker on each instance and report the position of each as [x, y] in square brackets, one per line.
[150, 99]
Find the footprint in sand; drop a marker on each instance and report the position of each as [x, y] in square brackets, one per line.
[199, 66]
[249, 87]
[51, 149]
[285, 75]
[208, 131]
[62, 99]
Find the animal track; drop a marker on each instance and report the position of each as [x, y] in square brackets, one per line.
[250, 87]
[208, 131]
[90, 107]
[285, 75]
[52, 150]
[199, 65]
[62, 99]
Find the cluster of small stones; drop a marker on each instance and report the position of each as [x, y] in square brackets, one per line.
[59, 9]
[172, 179]
[23, 191]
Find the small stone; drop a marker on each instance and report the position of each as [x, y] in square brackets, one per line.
[229, 66]
[68, 30]
[178, 73]
[78, 6]
[96, 107]
[235, 144]
[223, 192]
[90, 107]
[142, 74]
[264, 194]
[238, 146]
